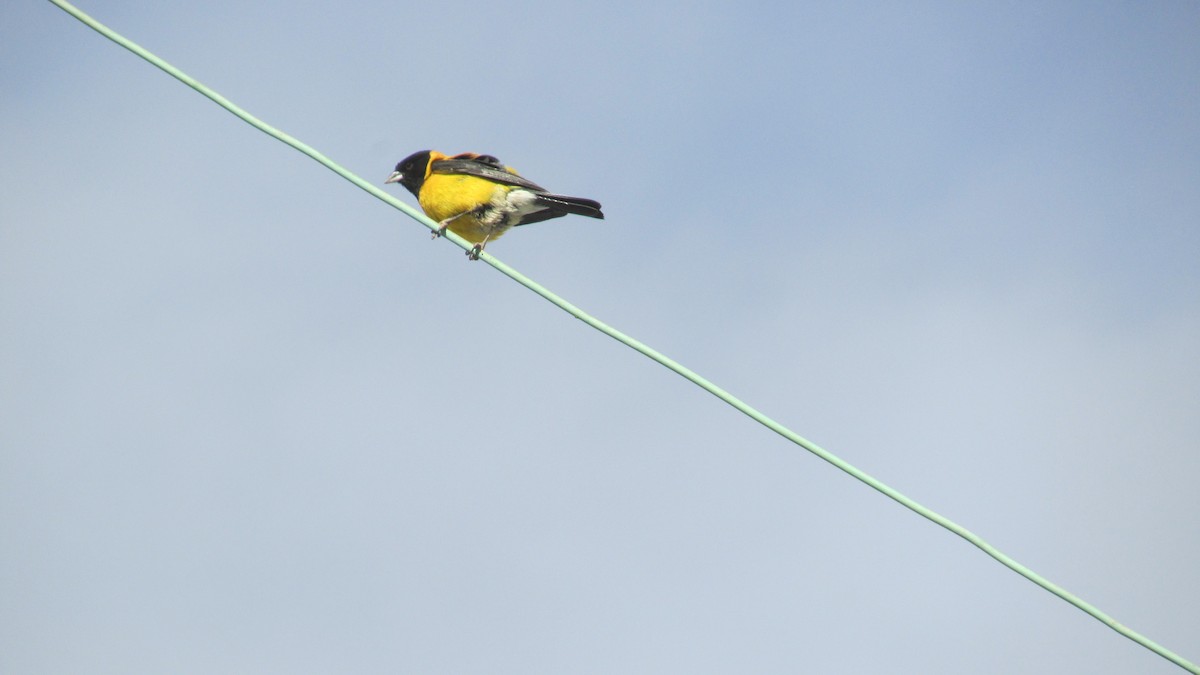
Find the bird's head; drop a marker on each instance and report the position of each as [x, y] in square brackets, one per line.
[411, 171]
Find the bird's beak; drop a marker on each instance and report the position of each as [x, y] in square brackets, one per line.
[396, 177]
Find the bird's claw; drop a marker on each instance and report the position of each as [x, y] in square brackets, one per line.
[473, 254]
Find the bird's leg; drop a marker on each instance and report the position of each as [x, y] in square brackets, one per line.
[444, 223]
[473, 254]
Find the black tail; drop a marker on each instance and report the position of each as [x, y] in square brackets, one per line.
[577, 205]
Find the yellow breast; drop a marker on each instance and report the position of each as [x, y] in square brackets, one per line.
[443, 196]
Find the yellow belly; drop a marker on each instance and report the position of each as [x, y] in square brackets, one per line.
[444, 196]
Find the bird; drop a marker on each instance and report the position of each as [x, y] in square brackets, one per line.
[478, 198]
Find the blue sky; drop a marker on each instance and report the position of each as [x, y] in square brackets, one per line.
[255, 421]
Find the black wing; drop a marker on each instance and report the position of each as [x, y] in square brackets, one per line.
[483, 166]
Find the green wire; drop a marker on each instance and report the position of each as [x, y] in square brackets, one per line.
[639, 346]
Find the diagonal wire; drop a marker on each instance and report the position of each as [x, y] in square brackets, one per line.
[648, 351]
